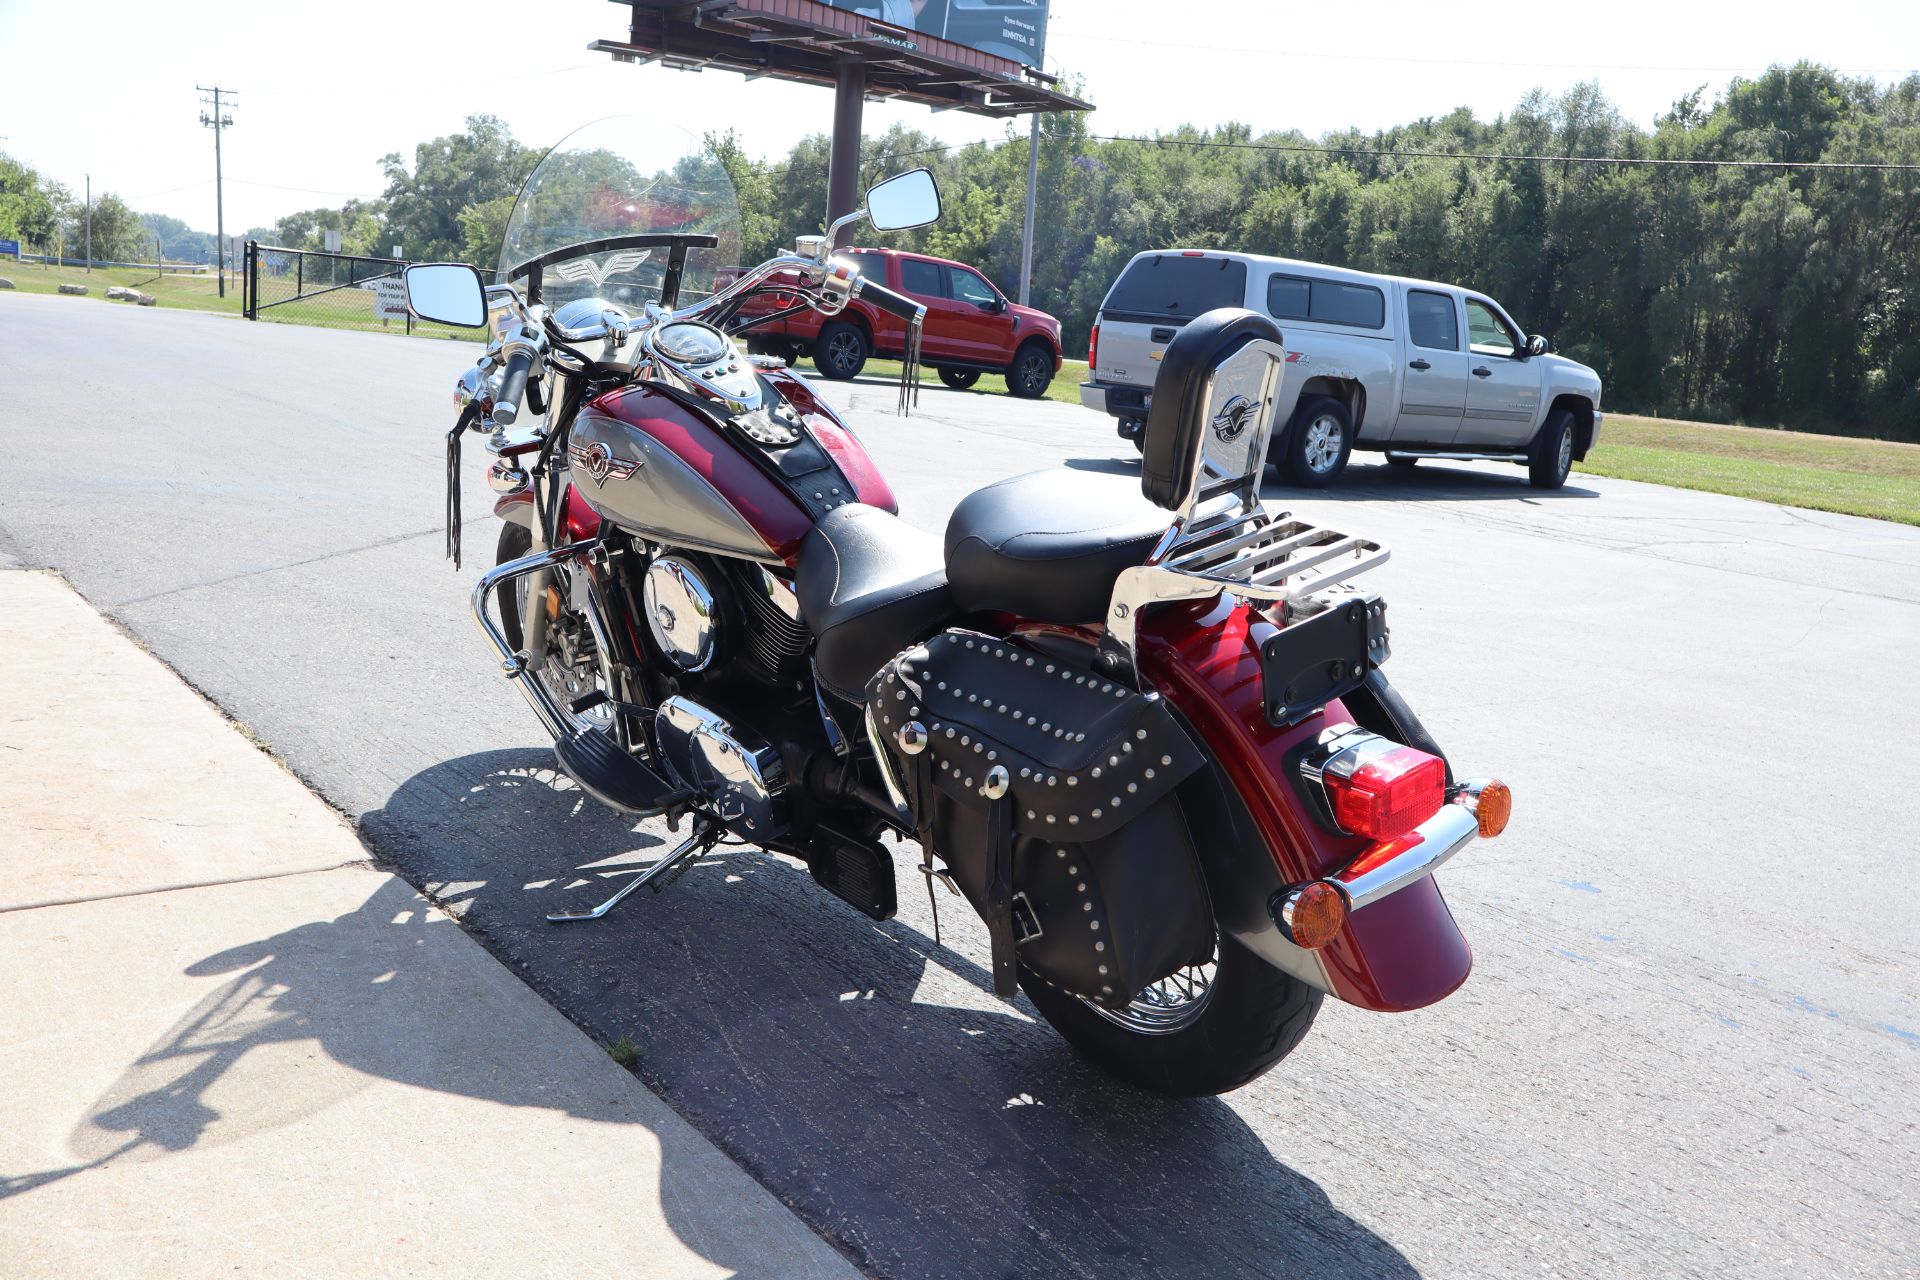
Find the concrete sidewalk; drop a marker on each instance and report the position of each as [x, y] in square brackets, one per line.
[228, 1046]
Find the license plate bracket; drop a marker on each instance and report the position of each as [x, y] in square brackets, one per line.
[1308, 663]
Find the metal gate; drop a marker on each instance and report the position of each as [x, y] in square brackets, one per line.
[337, 290]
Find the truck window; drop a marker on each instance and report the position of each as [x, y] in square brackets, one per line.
[1358, 306]
[871, 265]
[923, 279]
[1487, 333]
[1172, 286]
[1431, 321]
[968, 287]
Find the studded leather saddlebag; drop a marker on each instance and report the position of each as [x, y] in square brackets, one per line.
[1048, 792]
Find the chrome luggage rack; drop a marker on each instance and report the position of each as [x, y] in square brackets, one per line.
[1255, 554]
[1223, 537]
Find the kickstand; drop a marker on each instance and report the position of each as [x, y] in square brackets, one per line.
[705, 835]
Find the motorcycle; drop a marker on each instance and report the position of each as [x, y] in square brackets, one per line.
[1141, 729]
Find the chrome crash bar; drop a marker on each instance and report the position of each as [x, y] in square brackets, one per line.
[513, 663]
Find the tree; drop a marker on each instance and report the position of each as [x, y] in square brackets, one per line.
[450, 174]
[29, 204]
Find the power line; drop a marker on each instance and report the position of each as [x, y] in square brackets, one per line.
[1318, 55]
[1378, 153]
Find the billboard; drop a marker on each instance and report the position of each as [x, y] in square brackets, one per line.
[1012, 29]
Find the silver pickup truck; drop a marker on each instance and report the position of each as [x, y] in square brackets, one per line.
[1408, 368]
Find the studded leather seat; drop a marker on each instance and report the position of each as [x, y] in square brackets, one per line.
[869, 585]
[1048, 545]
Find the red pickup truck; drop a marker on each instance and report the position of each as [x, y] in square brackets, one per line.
[971, 328]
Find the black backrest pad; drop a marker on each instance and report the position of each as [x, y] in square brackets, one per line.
[1171, 450]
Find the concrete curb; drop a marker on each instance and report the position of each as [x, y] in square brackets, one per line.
[236, 1047]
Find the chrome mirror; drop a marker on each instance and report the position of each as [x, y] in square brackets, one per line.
[1538, 346]
[446, 293]
[910, 199]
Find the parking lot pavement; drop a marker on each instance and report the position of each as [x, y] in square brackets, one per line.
[230, 1046]
[1688, 1044]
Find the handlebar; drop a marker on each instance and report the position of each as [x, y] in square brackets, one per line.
[894, 304]
[513, 386]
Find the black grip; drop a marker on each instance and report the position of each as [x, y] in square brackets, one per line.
[513, 387]
[895, 304]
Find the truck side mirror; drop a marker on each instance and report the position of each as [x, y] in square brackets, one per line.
[1538, 346]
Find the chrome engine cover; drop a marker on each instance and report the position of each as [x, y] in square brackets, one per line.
[681, 612]
[739, 774]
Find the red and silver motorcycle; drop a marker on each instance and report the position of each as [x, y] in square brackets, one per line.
[1140, 728]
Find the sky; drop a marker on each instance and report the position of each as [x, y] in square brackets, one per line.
[323, 91]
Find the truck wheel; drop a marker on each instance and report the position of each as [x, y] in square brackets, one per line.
[1319, 444]
[1551, 457]
[960, 379]
[841, 351]
[1031, 370]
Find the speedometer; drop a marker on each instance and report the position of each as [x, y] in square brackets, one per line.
[691, 343]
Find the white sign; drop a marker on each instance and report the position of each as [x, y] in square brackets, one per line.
[390, 297]
[331, 239]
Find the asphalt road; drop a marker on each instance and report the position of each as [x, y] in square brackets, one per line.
[1690, 1042]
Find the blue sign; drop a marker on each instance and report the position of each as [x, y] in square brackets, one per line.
[1012, 29]
[10, 246]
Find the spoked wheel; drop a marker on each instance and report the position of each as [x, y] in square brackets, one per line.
[574, 668]
[1031, 371]
[1174, 1002]
[1205, 1029]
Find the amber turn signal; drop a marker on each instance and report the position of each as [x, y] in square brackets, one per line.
[1311, 915]
[1492, 807]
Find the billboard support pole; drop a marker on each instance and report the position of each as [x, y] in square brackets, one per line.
[843, 165]
[1026, 238]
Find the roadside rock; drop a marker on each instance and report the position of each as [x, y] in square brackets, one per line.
[122, 293]
[146, 299]
[73, 288]
[5, 283]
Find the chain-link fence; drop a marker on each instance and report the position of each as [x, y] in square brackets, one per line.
[332, 290]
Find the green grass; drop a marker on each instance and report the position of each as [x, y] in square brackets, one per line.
[1064, 388]
[195, 293]
[1875, 478]
[340, 309]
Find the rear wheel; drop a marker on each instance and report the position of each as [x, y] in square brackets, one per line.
[1551, 457]
[1031, 371]
[1206, 1029]
[841, 351]
[1319, 444]
[960, 379]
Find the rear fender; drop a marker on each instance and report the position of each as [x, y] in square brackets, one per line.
[1402, 952]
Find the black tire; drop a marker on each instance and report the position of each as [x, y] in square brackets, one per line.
[1031, 371]
[1254, 1016]
[1402, 461]
[841, 350]
[959, 379]
[1318, 443]
[515, 541]
[1551, 456]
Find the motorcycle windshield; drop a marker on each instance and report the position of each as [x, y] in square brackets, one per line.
[623, 176]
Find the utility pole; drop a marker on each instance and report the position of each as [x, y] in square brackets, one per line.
[89, 224]
[217, 120]
[1026, 238]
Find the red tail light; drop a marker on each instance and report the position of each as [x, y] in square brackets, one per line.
[1381, 789]
[1093, 350]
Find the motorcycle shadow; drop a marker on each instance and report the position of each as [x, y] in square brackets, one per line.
[869, 1079]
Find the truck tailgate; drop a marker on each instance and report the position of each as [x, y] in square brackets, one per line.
[1130, 351]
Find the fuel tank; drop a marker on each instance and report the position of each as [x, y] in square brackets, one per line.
[651, 465]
